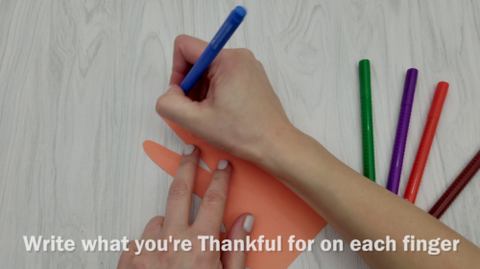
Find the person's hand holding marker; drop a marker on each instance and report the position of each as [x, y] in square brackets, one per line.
[233, 106]
[176, 224]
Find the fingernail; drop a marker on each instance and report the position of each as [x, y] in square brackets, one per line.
[248, 223]
[222, 164]
[188, 149]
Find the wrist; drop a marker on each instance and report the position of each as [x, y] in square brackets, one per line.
[295, 158]
[280, 144]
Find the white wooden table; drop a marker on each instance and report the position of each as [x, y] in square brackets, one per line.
[79, 80]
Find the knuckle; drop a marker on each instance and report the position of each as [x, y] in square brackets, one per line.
[139, 263]
[160, 105]
[242, 255]
[237, 62]
[201, 230]
[168, 256]
[179, 39]
[205, 259]
[131, 246]
[214, 197]
[235, 65]
[156, 222]
[220, 175]
[178, 189]
[245, 53]
[124, 254]
[259, 64]
[188, 161]
[230, 56]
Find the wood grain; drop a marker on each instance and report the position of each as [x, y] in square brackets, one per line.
[79, 80]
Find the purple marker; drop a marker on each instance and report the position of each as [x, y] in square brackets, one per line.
[402, 131]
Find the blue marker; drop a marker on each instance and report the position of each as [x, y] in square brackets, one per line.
[223, 35]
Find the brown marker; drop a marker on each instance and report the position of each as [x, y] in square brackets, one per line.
[457, 186]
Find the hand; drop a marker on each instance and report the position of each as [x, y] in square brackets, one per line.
[176, 224]
[233, 107]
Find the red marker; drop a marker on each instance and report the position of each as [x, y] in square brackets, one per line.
[426, 143]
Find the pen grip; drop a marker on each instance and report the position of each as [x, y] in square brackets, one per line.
[214, 47]
[198, 69]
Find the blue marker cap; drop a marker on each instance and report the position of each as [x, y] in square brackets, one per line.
[239, 13]
[211, 51]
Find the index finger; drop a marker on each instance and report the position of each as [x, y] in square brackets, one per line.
[186, 52]
[212, 208]
[179, 200]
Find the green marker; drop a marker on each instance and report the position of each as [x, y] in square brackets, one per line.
[367, 120]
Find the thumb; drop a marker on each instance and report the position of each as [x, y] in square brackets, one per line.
[240, 229]
[175, 106]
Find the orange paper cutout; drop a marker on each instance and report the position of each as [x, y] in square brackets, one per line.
[277, 210]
